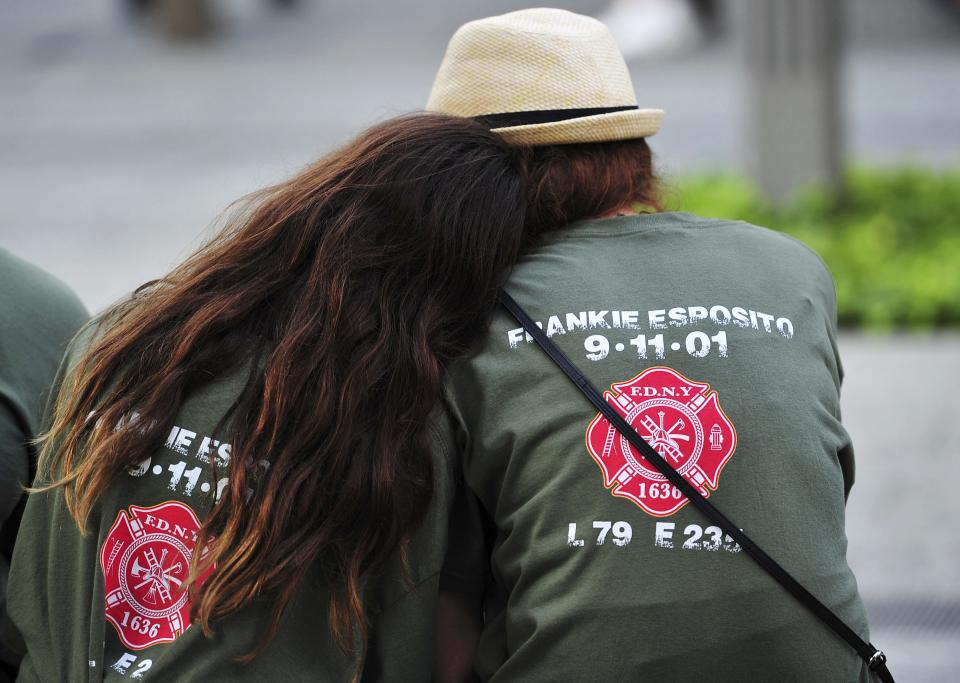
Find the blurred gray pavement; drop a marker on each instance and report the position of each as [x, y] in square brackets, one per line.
[119, 146]
[903, 512]
[118, 151]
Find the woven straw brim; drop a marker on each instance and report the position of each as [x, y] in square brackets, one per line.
[621, 125]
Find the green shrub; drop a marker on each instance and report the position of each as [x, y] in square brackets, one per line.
[892, 240]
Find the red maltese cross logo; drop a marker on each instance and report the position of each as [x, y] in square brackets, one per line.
[145, 560]
[681, 419]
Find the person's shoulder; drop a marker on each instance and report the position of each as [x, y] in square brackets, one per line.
[711, 233]
[778, 239]
[787, 249]
[787, 260]
[40, 316]
[32, 297]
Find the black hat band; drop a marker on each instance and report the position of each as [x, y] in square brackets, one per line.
[526, 118]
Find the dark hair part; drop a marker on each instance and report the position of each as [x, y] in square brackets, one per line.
[359, 280]
[566, 183]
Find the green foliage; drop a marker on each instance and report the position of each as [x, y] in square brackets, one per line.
[892, 240]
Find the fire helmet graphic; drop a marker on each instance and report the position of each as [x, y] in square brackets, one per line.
[145, 560]
[681, 419]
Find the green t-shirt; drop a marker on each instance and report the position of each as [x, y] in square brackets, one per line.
[106, 606]
[716, 340]
[38, 316]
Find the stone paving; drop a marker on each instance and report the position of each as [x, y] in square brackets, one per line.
[117, 152]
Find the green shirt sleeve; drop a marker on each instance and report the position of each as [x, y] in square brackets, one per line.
[845, 451]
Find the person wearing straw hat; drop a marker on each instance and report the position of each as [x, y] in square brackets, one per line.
[570, 558]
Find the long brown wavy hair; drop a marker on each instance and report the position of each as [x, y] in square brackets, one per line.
[565, 183]
[374, 268]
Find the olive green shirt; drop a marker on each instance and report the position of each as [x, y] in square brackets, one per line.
[38, 316]
[717, 341]
[106, 606]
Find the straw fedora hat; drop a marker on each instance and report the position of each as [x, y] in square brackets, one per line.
[541, 77]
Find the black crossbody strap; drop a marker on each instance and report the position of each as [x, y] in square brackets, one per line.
[874, 658]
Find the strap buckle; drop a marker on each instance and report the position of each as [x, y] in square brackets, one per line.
[877, 661]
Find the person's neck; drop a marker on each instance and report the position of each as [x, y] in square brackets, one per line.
[625, 210]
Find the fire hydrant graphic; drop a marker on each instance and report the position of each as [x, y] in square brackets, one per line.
[716, 438]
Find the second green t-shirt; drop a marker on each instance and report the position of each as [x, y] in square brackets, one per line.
[716, 341]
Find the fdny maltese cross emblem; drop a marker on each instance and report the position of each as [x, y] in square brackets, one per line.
[145, 560]
[681, 419]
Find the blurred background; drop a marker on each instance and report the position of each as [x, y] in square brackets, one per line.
[127, 126]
